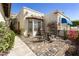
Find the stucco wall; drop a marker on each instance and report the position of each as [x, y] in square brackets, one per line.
[1, 14]
[1, 17]
[23, 14]
[56, 18]
[62, 26]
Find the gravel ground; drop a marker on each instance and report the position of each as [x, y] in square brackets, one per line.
[56, 48]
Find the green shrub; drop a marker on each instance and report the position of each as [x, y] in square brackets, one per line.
[6, 38]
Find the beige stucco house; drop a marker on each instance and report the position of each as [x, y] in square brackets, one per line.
[30, 21]
[58, 22]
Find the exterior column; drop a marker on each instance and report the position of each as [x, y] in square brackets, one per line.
[41, 25]
[26, 27]
[33, 27]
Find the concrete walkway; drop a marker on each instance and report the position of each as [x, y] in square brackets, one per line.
[20, 49]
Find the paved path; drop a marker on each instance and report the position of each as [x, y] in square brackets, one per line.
[20, 49]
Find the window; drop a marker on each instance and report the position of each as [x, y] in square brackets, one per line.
[35, 25]
[29, 25]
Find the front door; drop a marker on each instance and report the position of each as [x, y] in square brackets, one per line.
[37, 27]
[34, 27]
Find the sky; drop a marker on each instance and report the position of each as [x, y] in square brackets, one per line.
[70, 9]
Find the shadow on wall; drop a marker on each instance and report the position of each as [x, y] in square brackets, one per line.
[15, 26]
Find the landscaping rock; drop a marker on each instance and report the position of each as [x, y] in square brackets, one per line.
[68, 42]
[56, 48]
[71, 51]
